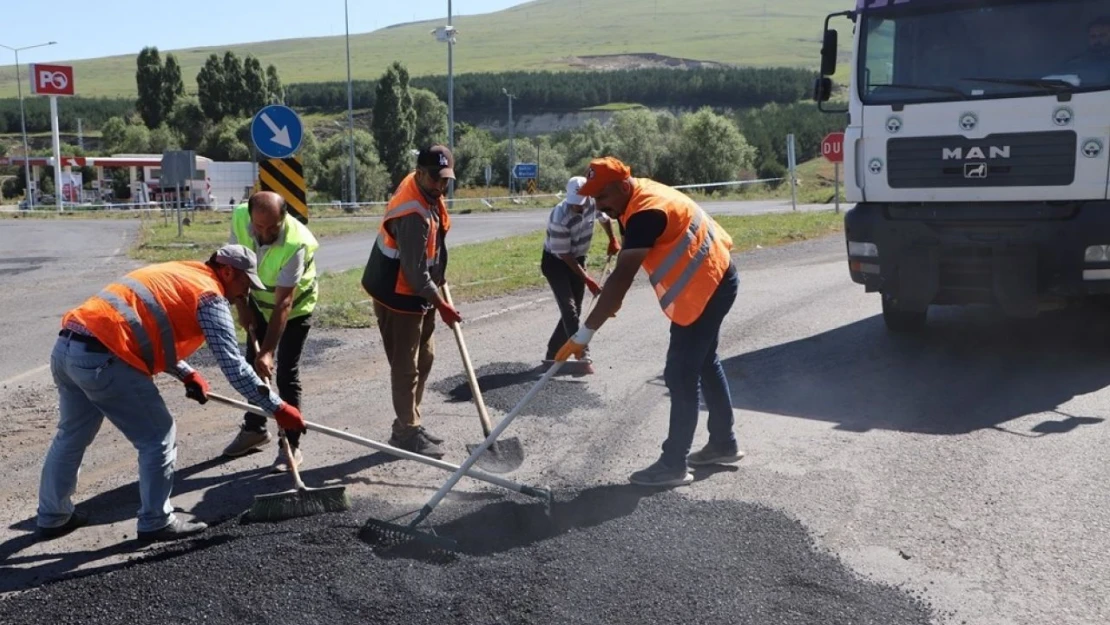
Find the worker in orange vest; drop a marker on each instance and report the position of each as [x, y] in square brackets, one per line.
[107, 353]
[688, 260]
[403, 275]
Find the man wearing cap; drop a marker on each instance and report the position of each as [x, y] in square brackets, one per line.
[104, 361]
[570, 231]
[403, 275]
[688, 260]
[278, 316]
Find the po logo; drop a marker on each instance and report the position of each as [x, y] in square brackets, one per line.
[56, 80]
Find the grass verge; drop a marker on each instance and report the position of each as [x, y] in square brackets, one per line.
[502, 267]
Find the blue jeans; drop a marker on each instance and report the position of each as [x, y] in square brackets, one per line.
[692, 362]
[93, 385]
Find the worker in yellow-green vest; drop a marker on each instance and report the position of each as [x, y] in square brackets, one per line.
[279, 316]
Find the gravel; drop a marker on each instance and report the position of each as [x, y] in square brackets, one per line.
[504, 384]
[611, 554]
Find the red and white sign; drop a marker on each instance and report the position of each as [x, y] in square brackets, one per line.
[832, 147]
[51, 79]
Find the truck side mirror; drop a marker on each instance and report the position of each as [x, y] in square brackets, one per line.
[822, 89]
[828, 53]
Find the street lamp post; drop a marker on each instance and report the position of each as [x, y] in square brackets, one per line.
[512, 152]
[23, 123]
[446, 34]
[350, 110]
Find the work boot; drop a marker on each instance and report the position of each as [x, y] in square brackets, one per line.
[175, 530]
[660, 474]
[281, 463]
[715, 454]
[246, 441]
[75, 520]
[417, 442]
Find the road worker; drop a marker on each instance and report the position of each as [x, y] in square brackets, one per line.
[570, 232]
[403, 275]
[104, 361]
[687, 257]
[279, 315]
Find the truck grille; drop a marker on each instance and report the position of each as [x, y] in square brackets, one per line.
[1002, 160]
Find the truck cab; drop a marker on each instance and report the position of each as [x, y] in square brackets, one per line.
[975, 152]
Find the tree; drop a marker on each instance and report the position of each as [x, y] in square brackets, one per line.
[112, 133]
[394, 122]
[148, 79]
[173, 87]
[162, 139]
[211, 90]
[431, 118]
[638, 141]
[187, 120]
[235, 90]
[274, 89]
[221, 143]
[371, 178]
[711, 148]
[255, 94]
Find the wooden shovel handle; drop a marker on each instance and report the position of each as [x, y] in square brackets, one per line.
[470, 377]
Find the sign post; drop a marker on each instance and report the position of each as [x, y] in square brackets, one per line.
[791, 164]
[832, 148]
[276, 132]
[53, 81]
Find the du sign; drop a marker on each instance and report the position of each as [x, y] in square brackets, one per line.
[51, 79]
[832, 147]
[277, 131]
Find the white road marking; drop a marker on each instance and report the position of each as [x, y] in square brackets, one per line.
[25, 374]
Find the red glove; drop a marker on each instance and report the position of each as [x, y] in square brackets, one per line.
[196, 387]
[449, 315]
[614, 247]
[289, 418]
[592, 285]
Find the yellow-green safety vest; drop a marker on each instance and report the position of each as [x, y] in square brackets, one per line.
[297, 236]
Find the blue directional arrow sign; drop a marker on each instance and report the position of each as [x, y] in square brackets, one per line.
[277, 131]
[525, 170]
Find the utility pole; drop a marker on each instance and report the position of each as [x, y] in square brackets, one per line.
[450, 95]
[350, 110]
[23, 121]
[512, 153]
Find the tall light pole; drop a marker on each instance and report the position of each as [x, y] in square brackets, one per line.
[446, 34]
[350, 108]
[23, 123]
[512, 152]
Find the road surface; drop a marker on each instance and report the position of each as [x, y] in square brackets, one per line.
[965, 467]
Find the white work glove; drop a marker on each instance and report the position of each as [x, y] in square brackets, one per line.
[576, 345]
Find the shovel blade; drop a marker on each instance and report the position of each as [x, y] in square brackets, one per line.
[503, 456]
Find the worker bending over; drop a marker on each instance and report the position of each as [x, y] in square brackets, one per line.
[687, 257]
[104, 361]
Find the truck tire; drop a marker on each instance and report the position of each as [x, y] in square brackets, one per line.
[902, 321]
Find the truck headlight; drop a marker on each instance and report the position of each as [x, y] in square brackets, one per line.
[1097, 254]
[857, 248]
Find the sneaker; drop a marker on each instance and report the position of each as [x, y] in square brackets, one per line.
[660, 474]
[418, 443]
[281, 463]
[711, 454]
[173, 531]
[438, 440]
[247, 441]
[76, 520]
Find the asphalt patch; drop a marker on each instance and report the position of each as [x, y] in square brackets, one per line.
[612, 554]
[504, 384]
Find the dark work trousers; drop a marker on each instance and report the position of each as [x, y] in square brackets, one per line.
[569, 290]
[692, 362]
[288, 359]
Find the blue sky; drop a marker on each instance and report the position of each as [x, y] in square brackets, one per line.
[91, 29]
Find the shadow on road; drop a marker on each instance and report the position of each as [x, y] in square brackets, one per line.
[225, 497]
[968, 371]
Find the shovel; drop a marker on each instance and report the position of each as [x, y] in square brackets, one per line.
[503, 456]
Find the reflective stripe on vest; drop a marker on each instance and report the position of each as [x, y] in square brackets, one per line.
[295, 237]
[131, 316]
[669, 296]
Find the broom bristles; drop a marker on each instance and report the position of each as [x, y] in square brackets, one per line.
[299, 503]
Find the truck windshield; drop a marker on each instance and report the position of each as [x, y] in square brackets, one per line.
[984, 50]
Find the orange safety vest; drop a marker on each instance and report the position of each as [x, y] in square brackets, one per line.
[149, 317]
[688, 260]
[383, 278]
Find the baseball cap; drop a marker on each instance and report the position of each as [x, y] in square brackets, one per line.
[573, 186]
[243, 259]
[439, 159]
[601, 172]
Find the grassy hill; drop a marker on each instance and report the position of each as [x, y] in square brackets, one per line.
[543, 34]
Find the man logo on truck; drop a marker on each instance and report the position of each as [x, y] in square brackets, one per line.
[976, 153]
[975, 170]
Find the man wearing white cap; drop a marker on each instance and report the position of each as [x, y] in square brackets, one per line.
[570, 231]
[108, 351]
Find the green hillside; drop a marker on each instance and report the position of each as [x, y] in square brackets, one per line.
[543, 34]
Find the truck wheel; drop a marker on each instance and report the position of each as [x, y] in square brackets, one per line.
[903, 321]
